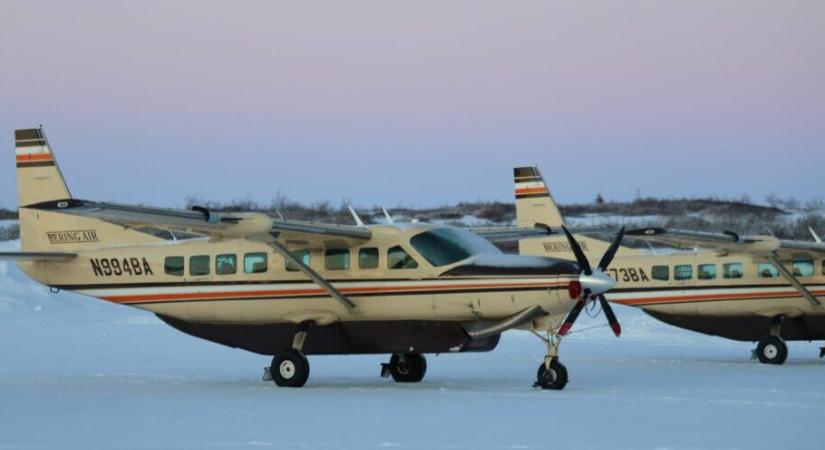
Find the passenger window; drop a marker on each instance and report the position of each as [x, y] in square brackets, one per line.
[707, 271]
[368, 258]
[398, 258]
[803, 268]
[254, 263]
[226, 264]
[336, 259]
[767, 270]
[173, 265]
[733, 271]
[683, 272]
[301, 255]
[199, 265]
[661, 273]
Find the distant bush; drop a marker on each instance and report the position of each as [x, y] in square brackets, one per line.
[6, 214]
[9, 233]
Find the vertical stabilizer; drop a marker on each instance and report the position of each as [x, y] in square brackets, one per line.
[38, 176]
[534, 203]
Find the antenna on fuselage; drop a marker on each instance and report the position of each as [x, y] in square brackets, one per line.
[280, 216]
[387, 216]
[355, 216]
[816, 236]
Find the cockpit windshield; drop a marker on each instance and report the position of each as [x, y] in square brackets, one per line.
[443, 246]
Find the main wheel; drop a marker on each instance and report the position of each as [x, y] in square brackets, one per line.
[772, 350]
[408, 368]
[290, 368]
[553, 378]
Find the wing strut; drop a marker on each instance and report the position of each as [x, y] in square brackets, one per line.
[788, 275]
[313, 275]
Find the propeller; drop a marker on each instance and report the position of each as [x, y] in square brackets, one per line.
[593, 282]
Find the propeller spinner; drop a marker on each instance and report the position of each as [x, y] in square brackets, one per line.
[594, 283]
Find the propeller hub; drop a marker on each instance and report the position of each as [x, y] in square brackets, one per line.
[597, 283]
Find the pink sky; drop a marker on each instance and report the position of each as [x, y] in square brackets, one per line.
[418, 103]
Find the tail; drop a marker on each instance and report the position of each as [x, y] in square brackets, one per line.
[45, 231]
[38, 180]
[38, 176]
[534, 203]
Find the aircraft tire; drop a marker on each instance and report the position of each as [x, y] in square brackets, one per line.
[772, 350]
[411, 369]
[555, 378]
[290, 368]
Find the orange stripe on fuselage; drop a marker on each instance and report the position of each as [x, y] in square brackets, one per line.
[35, 157]
[710, 298]
[315, 291]
[536, 190]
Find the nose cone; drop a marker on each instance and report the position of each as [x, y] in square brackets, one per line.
[597, 283]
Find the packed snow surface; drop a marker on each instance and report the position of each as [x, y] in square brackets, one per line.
[83, 374]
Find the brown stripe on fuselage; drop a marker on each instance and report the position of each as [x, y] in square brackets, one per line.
[710, 298]
[356, 291]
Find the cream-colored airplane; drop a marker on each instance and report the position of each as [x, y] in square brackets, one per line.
[748, 288]
[289, 288]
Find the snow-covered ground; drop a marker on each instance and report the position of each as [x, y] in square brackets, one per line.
[80, 373]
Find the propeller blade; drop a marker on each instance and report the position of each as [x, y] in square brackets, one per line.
[611, 252]
[571, 317]
[577, 250]
[611, 317]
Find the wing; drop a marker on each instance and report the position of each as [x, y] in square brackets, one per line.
[508, 234]
[214, 224]
[729, 241]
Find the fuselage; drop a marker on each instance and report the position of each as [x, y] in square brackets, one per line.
[393, 277]
[735, 296]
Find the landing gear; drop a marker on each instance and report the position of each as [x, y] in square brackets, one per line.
[290, 368]
[405, 367]
[772, 350]
[551, 374]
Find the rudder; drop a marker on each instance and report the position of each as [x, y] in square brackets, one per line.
[534, 203]
[38, 177]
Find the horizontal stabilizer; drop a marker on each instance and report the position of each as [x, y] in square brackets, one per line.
[37, 256]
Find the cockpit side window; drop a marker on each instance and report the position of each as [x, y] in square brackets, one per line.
[444, 246]
[398, 258]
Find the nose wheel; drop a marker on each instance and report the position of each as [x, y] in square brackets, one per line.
[552, 375]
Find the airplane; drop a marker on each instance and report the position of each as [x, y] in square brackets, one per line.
[747, 288]
[288, 288]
